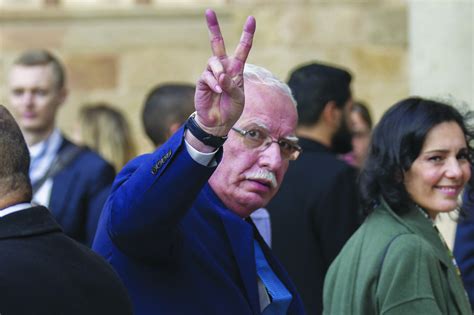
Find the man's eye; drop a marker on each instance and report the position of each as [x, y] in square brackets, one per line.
[285, 145]
[41, 92]
[254, 134]
[17, 92]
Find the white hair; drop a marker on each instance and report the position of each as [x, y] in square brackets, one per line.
[257, 74]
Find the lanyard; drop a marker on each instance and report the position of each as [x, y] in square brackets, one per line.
[450, 253]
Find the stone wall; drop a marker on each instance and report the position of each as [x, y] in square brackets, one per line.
[117, 50]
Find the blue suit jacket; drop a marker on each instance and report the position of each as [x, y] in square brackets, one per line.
[175, 245]
[79, 192]
[464, 247]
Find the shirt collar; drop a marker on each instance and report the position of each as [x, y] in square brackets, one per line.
[53, 141]
[15, 208]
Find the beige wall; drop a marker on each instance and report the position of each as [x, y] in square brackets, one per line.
[442, 49]
[117, 50]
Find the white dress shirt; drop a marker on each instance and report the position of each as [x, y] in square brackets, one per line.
[43, 155]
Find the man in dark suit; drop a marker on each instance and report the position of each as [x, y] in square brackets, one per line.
[42, 271]
[463, 243]
[72, 181]
[316, 211]
[175, 226]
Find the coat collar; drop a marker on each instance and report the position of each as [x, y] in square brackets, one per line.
[417, 223]
[28, 222]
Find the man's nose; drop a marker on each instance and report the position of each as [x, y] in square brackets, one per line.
[271, 156]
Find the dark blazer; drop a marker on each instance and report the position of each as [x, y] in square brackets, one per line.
[395, 264]
[312, 216]
[79, 192]
[42, 271]
[464, 247]
[175, 245]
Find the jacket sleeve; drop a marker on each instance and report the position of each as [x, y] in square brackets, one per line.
[150, 197]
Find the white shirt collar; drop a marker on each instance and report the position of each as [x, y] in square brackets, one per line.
[43, 154]
[15, 208]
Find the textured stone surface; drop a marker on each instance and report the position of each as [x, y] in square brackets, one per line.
[117, 53]
[92, 72]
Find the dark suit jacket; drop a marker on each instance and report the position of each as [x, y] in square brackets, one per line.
[312, 216]
[79, 192]
[42, 271]
[464, 246]
[175, 245]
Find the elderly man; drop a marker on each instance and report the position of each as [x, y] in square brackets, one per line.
[174, 226]
[42, 271]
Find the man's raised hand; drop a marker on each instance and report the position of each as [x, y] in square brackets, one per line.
[219, 98]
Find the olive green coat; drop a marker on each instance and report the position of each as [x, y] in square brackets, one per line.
[394, 264]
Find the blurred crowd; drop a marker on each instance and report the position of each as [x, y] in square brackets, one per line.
[277, 198]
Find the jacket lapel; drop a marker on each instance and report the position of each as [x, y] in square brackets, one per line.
[240, 235]
[296, 303]
[62, 184]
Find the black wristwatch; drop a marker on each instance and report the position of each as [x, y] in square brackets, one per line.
[201, 135]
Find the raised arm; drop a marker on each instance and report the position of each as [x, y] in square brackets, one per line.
[153, 193]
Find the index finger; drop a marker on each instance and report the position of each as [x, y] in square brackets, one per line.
[215, 35]
[243, 48]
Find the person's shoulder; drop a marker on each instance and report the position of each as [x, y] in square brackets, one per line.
[325, 160]
[409, 245]
[85, 157]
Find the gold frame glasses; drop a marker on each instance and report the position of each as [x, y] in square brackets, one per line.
[257, 137]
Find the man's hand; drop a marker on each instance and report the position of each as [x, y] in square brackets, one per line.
[219, 98]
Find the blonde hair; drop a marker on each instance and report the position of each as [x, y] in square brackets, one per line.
[105, 130]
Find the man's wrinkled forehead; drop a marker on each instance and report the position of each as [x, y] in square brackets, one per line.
[268, 105]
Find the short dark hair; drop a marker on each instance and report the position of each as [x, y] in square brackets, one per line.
[314, 85]
[397, 141]
[41, 57]
[14, 158]
[362, 109]
[165, 105]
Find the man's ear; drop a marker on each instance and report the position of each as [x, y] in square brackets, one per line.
[331, 114]
[62, 95]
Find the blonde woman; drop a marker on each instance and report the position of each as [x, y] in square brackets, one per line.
[105, 129]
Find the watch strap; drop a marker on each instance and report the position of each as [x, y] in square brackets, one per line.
[201, 135]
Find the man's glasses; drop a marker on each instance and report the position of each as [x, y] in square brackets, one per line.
[258, 138]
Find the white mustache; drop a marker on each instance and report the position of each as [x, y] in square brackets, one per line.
[263, 174]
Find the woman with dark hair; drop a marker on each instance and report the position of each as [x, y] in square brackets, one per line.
[397, 262]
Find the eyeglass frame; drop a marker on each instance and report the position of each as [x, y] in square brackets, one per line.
[267, 143]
